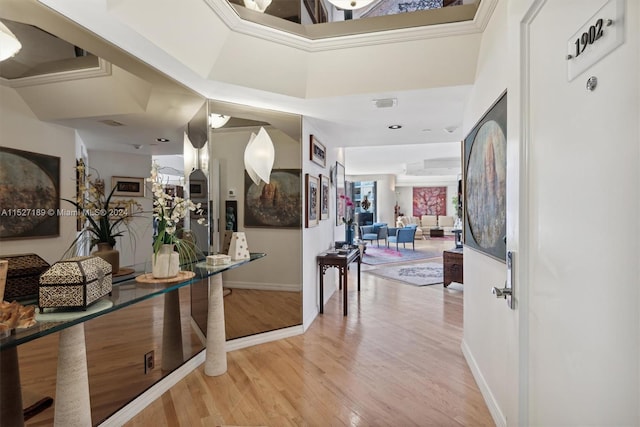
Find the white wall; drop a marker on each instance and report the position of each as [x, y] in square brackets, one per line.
[487, 321]
[317, 239]
[20, 129]
[135, 244]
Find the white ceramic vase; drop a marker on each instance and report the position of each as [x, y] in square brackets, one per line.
[166, 263]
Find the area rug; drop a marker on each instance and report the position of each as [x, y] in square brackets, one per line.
[429, 273]
[381, 255]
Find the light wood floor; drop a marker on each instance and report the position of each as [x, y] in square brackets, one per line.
[394, 361]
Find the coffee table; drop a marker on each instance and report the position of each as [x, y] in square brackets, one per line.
[436, 232]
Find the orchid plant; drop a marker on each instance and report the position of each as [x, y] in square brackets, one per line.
[168, 212]
[348, 208]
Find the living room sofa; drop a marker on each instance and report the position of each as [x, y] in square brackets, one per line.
[428, 222]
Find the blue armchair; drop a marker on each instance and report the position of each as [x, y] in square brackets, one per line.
[404, 236]
[375, 232]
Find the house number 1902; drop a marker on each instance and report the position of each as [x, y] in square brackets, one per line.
[590, 36]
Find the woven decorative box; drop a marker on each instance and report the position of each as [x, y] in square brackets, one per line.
[74, 283]
[23, 275]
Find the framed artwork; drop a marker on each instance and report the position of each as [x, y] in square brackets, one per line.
[29, 194]
[485, 170]
[324, 197]
[429, 201]
[313, 201]
[341, 192]
[231, 215]
[277, 204]
[318, 151]
[127, 186]
[197, 189]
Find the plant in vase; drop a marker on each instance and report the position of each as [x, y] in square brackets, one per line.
[169, 250]
[348, 219]
[102, 217]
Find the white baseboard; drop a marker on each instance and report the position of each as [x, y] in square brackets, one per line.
[261, 286]
[490, 400]
[134, 407]
[266, 337]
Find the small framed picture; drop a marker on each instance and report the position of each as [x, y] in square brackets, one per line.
[197, 189]
[324, 197]
[318, 152]
[127, 186]
[313, 201]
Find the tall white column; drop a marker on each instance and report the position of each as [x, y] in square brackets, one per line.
[72, 404]
[216, 357]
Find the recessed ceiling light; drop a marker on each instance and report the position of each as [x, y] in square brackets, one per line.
[450, 129]
[395, 126]
[426, 130]
[162, 139]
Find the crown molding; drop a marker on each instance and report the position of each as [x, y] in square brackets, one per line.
[103, 69]
[231, 18]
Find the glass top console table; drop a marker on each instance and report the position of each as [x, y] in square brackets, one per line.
[72, 406]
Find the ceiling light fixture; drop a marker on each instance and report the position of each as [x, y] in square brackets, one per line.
[218, 120]
[350, 4]
[257, 5]
[259, 156]
[162, 139]
[394, 127]
[9, 43]
[450, 129]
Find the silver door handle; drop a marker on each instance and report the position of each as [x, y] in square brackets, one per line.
[501, 292]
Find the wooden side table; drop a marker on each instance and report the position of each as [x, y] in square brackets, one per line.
[341, 262]
[452, 260]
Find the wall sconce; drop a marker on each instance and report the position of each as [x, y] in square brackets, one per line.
[218, 120]
[259, 156]
[9, 44]
[257, 5]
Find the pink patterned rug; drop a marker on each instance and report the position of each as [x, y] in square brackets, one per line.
[382, 255]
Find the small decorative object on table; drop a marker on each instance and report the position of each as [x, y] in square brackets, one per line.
[238, 248]
[102, 218]
[168, 212]
[74, 283]
[218, 259]
[23, 273]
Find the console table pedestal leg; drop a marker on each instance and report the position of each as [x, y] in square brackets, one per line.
[172, 353]
[10, 392]
[216, 357]
[72, 405]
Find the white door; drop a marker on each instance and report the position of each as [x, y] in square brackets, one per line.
[583, 193]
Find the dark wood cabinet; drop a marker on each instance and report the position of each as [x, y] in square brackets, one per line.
[452, 260]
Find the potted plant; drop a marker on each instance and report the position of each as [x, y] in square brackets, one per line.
[169, 250]
[102, 218]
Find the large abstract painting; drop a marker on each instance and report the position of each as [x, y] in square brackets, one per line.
[429, 201]
[277, 204]
[485, 160]
[29, 194]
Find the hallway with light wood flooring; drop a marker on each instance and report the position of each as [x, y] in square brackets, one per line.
[394, 361]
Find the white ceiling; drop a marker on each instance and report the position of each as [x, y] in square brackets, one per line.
[431, 121]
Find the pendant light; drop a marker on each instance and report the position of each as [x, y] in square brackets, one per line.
[350, 4]
[9, 44]
[259, 156]
[257, 5]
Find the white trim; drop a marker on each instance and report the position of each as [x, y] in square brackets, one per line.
[261, 286]
[240, 343]
[134, 407]
[235, 23]
[522, 263]
[489, 398]
[103, 69]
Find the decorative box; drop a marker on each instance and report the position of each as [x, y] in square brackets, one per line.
[23, 275]
[218, 259]
[74, 283]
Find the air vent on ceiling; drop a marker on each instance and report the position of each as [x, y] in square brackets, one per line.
[111, 123]
[385, 102]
